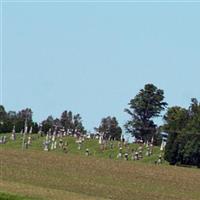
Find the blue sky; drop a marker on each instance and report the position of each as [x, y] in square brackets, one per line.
[92, 58]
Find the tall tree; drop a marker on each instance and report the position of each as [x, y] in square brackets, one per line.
[25, 115]
[77, 124]
[67, 119]
[146, 105]
[110, 127]
[175, 119]
[194, 116]
[183, 127]
[47, 124]
[4, 122]
[2, 113]
[72, 122]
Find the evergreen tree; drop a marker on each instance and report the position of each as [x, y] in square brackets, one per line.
[146, 105]
[109, 126]
[183, 127]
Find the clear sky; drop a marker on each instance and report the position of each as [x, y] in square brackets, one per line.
[92, 58]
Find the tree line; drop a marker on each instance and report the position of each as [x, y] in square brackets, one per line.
[181, 124]
[68, 121]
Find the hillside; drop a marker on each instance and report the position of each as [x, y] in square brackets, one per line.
[35, 174]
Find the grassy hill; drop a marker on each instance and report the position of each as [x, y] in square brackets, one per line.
[35, 174]
[91, 144]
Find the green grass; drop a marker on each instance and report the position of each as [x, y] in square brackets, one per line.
[54, 175]
[92, 145]
[5, 196]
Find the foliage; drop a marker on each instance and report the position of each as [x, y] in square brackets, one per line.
[110, 128]
[146, 105]
[185, 150]
[157, 139]
[171, 148]
[10, 119]
[72, 122]
[5, 196]
[183, 126]
[67, 120]
[77, 124]
[175, 119]
[47, 124]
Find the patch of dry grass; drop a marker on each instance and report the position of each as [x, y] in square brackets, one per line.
[56, 176]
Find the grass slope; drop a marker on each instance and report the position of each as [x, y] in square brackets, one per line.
[73, 176]
[92, 145]
[4, 196]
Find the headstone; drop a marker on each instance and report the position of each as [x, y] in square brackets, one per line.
[13, 135]
[82, 139]
[151, 149]
[60, 143]
[88, 136]
[119, 156]
[29, 140]
[120, 149]
[46, 146]
[1, 140]
[148, 152]
[52, 145]
[4, 139]
[79, 145]
[126, 156]
[53, 138]
[163, 144]
[87, 152]
[164, 140]
[136, 156]
[159, 159]
[140, 152]
[55, 144]
[101, 139]
[97, 137]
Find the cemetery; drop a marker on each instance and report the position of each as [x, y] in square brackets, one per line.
[82, 145]
[62, 165]
[99, 100]
[59, 159]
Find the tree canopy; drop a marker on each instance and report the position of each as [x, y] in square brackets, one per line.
[146, 105]
[183, 127]
[12, 118]
[110, 128]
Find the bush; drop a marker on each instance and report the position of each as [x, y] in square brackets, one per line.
[183, 149]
